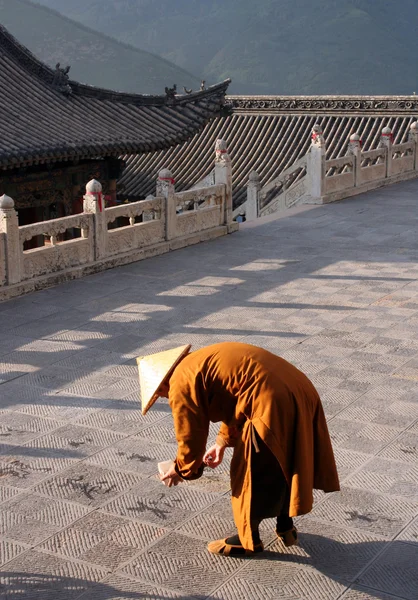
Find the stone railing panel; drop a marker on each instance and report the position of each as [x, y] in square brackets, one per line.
[207, 212]
[373, 165]
[56, 256]
[134, 237]
[207, 181]
[199, 198]
[2, 259]
[146, 208]
[199, 220]
[285, 190]
[403, 158]
[339, 174]
[51, 259]
[55, 227]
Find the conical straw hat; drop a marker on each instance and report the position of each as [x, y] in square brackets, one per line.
[154, 369]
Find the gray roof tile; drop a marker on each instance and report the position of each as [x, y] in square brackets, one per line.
[45, 117]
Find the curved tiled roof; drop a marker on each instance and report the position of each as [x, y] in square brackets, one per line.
[46, 117]
[262, 137]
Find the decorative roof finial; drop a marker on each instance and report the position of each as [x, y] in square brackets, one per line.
[61, 79]
[170, 94]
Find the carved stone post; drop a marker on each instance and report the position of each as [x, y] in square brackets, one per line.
[166, 188]
[386, 141]
[354, 149]
[253, 190]
[223, 174]
[9, 225]
[94, 203]
[316, 164]
[413, 137]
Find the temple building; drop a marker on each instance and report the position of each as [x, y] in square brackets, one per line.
[269, 134]
[57, 134]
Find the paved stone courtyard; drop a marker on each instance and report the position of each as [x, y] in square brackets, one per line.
[334, 290]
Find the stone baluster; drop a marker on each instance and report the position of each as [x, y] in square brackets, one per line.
[386, 141]
[223, 175]
[413, 137]
[354, 149]
[94, 203]
[316, 164]
[252, 206]
[9, 225]
[166, 189]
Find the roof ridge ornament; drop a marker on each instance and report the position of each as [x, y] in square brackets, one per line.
[170, 94]
[202, 87]
[61, 80]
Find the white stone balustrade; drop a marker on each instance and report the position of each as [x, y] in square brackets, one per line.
[314, 180]
[56, 256]
[113, 236]
[136, 235]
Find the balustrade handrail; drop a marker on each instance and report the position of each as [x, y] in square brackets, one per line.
[199, 193]
[133, 209]
[376, 153]
[314, 179]
[342, 161]
[299, 164]
[54, 227]
[404, 146]
[160, 230]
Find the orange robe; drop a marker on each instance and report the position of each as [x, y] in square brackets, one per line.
[247, 387]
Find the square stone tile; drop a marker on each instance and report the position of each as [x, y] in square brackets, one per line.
[88, 485]
[387, 476]
[136, 455]
[359, 593]
[7, 492]
[163, 432]
[336, 552]
[60, 406]
[404, 448]
[382, 411]
[16, 428]
[118, 587]
[364, 437]
[348, 461]
[274, 579]
[151, 502]
[410, 533]
[30, 518]
[395, 571]
[37, 576]
[103, 539]
[121, 416]
[23, 467]
[9, 550]
[365, 510]
[75, 440]
[181, 563]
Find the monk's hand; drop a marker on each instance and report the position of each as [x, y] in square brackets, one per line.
[171, 478]
[214, 456]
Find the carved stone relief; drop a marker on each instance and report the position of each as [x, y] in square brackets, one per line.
[316, 104]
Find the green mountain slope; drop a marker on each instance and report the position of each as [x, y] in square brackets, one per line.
[271, 46]
[95, 59]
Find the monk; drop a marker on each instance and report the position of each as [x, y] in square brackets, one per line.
[270, 414]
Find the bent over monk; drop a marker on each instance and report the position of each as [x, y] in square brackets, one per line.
[271, 415]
